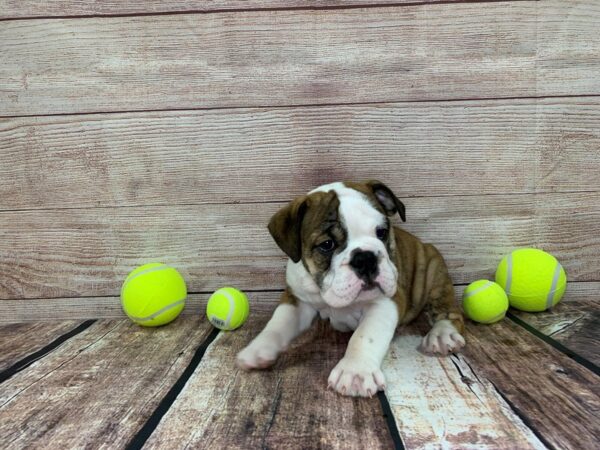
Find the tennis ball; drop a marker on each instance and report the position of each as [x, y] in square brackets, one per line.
[153, 294]
[533, 279]
[485, 301]
[228, 308]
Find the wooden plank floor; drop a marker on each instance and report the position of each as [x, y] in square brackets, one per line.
[113, 384]
[573, 324]
[288, 406]
[99, 386]
[20, 339]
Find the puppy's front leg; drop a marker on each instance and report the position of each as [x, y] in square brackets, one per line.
[359, 372]
[288, 321]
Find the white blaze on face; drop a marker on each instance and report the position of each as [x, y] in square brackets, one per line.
[341, 286]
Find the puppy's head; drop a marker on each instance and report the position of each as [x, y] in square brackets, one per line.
[341, 234]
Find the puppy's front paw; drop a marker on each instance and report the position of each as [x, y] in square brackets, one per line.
[356, 378]
[261, 353]
[442, 339]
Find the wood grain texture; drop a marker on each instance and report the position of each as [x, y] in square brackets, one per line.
[263, 58]
[69, 308]
[288, 407]
[19, 340]
[559, 398]
[99, 387]
[261, 302]
[88, 252]
[31, 8]
[219, 156]
[568, 148]
[443, 403]
[574, 322]
[109, 307]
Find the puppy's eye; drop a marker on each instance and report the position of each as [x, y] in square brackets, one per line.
[382, 233]
[326, 246]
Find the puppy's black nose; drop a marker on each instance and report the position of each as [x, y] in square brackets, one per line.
[364, 263]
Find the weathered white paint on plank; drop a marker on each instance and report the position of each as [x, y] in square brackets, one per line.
[88, 252]
[68, 308]
[292, 57]
[256, 155]
[58, 8]
[442, 403]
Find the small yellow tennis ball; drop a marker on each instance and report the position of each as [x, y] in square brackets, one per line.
[228, 308]
[533, 279]
[153, 294]
[485, 301]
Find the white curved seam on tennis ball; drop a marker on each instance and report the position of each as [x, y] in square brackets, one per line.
[144, 272]
[509, 264]
[478, 290]
[157, 313]
[231, 306]
[550, 298]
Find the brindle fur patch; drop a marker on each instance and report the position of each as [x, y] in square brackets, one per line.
[306, 222]
[423, 282]
[423, 279]
[321, 223]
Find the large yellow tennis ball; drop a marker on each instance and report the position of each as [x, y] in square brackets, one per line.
[533, 279]
[485, 301]
[227, 308]
[153, 294]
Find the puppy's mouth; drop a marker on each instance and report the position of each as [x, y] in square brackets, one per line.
[368, 290]
[369, 286]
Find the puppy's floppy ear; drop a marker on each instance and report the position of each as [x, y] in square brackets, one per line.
[285, 227]
[387, 199]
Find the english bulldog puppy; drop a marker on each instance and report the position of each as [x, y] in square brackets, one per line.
[348, 264]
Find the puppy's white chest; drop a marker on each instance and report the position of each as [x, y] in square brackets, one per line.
[304, 287]
[342, 319]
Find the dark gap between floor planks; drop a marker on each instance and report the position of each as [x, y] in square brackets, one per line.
[557, 345]
[33, 357]
[528, 423]
[140, 438]
[574, 323]
[390, 421]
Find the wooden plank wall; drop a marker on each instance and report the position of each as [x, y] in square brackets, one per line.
[134, 132]
[10, 9]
